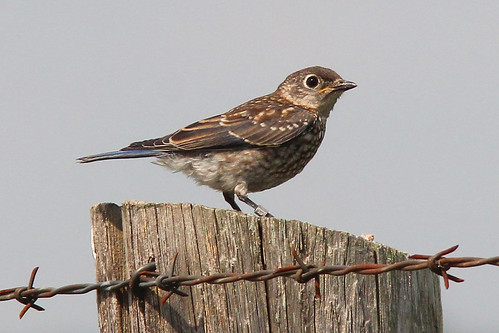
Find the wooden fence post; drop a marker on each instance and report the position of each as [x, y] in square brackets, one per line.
[214, 241]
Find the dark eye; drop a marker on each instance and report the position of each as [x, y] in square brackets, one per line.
[311, 81]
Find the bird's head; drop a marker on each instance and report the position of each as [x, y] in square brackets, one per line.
[314, 88]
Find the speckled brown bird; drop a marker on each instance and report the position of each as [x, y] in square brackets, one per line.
[253, 147]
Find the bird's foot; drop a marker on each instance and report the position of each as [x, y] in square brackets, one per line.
[262, 212]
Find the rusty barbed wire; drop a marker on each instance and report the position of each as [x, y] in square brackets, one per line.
[146, 277]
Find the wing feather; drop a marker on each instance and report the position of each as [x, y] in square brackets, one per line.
[251, 124]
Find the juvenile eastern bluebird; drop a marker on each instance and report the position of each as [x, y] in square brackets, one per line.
[253, 147]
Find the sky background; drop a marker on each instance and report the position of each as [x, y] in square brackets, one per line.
[411, 155]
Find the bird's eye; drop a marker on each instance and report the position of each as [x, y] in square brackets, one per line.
[311, 81]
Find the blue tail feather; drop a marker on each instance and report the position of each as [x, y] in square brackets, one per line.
[121, 154]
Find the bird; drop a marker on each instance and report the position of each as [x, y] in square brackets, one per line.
[253, 147]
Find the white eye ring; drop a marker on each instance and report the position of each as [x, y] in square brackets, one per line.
[311, 81]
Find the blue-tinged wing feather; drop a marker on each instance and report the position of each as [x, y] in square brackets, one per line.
[120, 155]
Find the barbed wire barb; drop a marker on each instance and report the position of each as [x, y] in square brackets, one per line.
[28, 300]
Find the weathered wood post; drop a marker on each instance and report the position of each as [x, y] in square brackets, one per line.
[215, 240]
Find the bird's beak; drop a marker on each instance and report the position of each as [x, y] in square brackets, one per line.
[344, 85]
[341, 85]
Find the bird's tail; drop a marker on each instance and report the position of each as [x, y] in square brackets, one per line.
[121, 154]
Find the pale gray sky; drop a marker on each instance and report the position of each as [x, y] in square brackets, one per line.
[411, 155]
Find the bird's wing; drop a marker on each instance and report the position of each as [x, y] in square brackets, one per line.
[250, 124]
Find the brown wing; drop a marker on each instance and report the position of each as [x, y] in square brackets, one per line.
[250, 124]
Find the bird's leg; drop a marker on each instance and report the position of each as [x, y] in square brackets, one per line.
[241, 193]
[229, 197]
